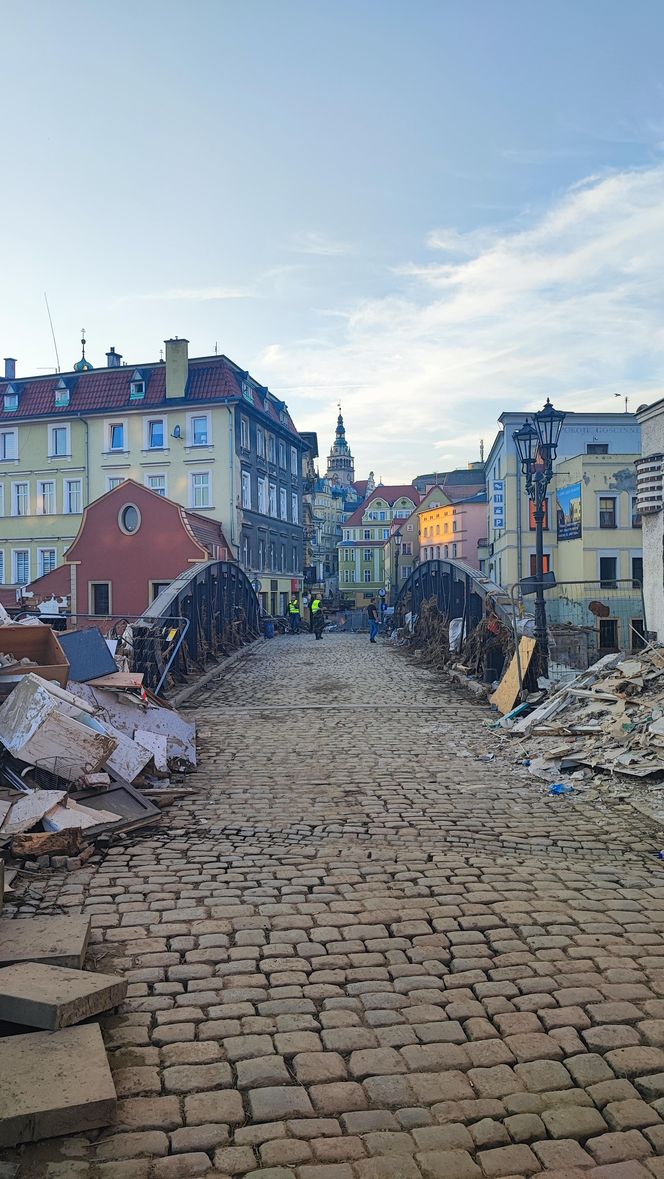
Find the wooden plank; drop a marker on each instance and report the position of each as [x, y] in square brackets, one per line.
[506, 694]
[157, 744]
[118, 679]
[128, 715]
[29, 810]
[34, 728]
[129, 758]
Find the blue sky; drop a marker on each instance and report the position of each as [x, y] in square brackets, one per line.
[431, 211]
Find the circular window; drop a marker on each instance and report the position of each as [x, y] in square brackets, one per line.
[129, 519]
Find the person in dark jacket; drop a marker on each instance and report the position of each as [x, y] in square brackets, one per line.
[372, 614]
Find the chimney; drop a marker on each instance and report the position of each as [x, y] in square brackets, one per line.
[113, 358]
[10, 368]
[177, 367]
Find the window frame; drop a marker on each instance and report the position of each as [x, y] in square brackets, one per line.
[295, 508]
[191, 434]
[16, 484]
[115, 481]
[282, 455]
[295, 466]
[53, 429]
[262, 495]
[283, 504]
[66, 494]
[157, 475]
[4, 435]
[147, 436]
[40, 561]
[272, 499]
[192, 490]
[260, 442]
[604, 512]
[111, 426]
[245, 433]
[608, 582]
[41, 498]
[15, 578]
[92, 586]
[272, 449]
[245, 485]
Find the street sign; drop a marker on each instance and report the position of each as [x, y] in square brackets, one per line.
[528, 585]
[256, 585]
[498, 503]
[381, 593]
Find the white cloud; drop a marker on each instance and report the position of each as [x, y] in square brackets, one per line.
[190, 295]
[569, 305]
[311, 242]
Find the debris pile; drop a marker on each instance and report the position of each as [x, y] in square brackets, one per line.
[608, 721]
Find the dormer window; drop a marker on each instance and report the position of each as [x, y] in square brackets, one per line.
[61, 395]
[137, 387]
[247, 392]
[10, 399]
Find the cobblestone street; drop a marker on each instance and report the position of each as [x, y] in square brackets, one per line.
[362, 952]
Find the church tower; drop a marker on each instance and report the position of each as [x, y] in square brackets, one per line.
[340, 464]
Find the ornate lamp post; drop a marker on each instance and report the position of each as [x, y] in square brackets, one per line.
[537, 447]
[397, 538]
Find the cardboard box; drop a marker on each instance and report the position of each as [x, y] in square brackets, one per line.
[38, 643]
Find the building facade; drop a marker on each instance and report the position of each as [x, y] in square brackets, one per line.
[200, 431]
[612, 438]
[131, 544]
[650, 504]
[453, 530]
[362, 572]
[333, 497]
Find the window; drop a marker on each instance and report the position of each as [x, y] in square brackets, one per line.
[137, 390]
[46, 561]
[273, 499]
[116, 436]
[455, 526]
[113, 481]
[200, 489]
[447, 550]
[282, 559]
[546, 563]
[405, 571]
[638, 632]
[294, 559]
[382, 515]
[407, 548]
[200, 431]
[386, 533]
[283, 503]
[20, 499]
[295, 508]
[454, 550]
[366, 555]
[531, 514]
[262, 496]
[271, 449]
[247, 392]
[2, 567]
[261, 554]
[597, 448]
[244, 433]
[607, 511]
[8, 445]
[367, 534]
[346, 575]
[293, 460]
[608, 572]
[367, 575]
[446, 526]
[156, 483]
[10, 399]
[61, 394]
[245, 551]
[100, 597]
[21, 570]
[246, 490]
[58, 441]
[282, 455]
[156, 587]
[637, 572]
[73, 497]
[608, 634]
[46, 497]
[273, 556]
[636, 519]
[156, 434]
[129, 519]
[260, 441]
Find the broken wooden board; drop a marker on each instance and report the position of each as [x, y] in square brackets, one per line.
[61, 941]
[88, 654]
[37, 995]
[73, 815]
[506, 694]
[35, 729]
[118, 680]
[127, 715]
[157, 745]
[54, 1083]
[128, 758]
[30, 809]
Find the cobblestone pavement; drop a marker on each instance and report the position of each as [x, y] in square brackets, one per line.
[364, 953]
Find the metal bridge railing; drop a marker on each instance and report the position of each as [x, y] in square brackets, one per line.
[459, 590]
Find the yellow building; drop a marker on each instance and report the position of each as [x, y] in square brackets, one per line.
[362, 549]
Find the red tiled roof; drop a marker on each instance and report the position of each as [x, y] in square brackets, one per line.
[106, 390]
[209, 533]
[390, 495]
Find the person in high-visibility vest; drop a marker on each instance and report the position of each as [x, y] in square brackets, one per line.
[294, 616]
[318, 616]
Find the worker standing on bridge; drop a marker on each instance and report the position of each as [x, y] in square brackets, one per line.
[294, 616]
[317, 616]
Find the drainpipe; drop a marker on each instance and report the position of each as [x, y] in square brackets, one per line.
[231, 476]
[519, 537]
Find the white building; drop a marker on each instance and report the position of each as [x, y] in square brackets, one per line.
[649, 501]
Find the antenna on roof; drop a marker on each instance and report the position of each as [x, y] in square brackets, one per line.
[216, 348]
[55, 346]
[481, 450]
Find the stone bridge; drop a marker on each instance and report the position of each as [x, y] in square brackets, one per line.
[361, 951]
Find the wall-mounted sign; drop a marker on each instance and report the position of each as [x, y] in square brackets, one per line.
[498, 503]
[568, 512]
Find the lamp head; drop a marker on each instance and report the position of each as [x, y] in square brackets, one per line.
[549, 423]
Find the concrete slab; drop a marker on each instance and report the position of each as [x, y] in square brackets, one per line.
[62, 941]
[39, 995]
[54, 1083]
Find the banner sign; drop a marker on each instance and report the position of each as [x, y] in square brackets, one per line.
[498, 501]
[568, 512]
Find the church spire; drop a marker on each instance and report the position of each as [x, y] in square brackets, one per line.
[340, 464]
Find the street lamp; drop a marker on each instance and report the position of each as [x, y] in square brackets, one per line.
[397, 538]
[537, 447]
